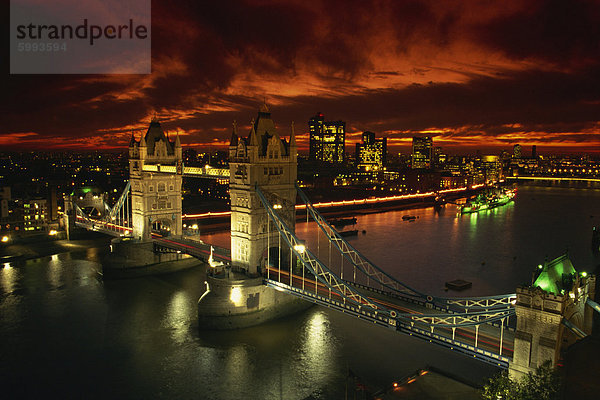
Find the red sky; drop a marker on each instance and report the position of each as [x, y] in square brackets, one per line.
[472, 74]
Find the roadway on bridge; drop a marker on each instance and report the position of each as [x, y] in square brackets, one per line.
[488, 336]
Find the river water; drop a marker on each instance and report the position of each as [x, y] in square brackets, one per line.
[64, 332]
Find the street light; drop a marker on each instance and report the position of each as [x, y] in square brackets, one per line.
[300, 248]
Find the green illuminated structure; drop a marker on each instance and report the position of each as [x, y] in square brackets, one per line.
[551, 315]
[556, 276]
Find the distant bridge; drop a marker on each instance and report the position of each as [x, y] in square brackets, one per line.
[551, 178]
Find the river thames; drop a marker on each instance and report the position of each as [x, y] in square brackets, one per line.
[67, 333]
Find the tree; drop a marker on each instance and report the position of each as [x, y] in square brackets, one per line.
[499, 387]
[543, 384]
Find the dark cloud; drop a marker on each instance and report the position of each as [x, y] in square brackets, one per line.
[562, 32]
[201, 50]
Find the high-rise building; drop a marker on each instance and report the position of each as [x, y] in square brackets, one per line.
[371, 153]
[422, 152]
[534, 151]
[327, 139]
[517, 151]
[439, 158]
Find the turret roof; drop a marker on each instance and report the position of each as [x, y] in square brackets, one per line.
[155, 134]
[556, 275]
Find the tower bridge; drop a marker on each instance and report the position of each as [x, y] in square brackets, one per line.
[269, 268]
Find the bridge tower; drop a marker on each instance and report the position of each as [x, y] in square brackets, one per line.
[551, 315]
[265, 160]
[155, 173]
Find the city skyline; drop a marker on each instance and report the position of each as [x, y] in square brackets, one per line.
[470, 75]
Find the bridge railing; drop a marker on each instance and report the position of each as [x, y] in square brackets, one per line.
[194, 248]
[208, 172]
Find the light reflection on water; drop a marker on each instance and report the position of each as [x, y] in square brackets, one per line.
[177, 316]
[317, 348]
[71, 333]
[8, 277]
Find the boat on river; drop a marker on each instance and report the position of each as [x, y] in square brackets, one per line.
[340, 222]
[488, 200]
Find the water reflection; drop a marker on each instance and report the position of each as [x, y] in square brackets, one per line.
[8, 278]
[177, 316]
[55, 271]
[237, 371]
[317, 347]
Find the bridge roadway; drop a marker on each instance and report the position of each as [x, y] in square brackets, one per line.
[482, 342]
[195, 248]
[102, 226]
[183, 245]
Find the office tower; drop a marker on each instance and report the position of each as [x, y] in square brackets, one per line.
[517, 151]
[371, 153]
[422, 152]
[327, 139]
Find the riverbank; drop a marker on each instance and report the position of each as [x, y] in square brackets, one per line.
[46, 246]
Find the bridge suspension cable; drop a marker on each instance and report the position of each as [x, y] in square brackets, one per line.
[316, 267]
[116, 221]
[372, 271]
[120, 203]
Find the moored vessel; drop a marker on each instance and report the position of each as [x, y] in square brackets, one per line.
[487, 201]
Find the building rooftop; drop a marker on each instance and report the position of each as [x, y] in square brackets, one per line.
[556, 276]
[155, 134]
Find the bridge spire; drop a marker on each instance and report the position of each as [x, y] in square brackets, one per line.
[252, 139]
[264, 108]
[234, 136]
[292, 136]
[177, 140]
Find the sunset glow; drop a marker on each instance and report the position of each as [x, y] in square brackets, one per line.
[470, 74]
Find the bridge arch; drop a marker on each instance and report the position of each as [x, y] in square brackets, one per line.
[162, 226]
